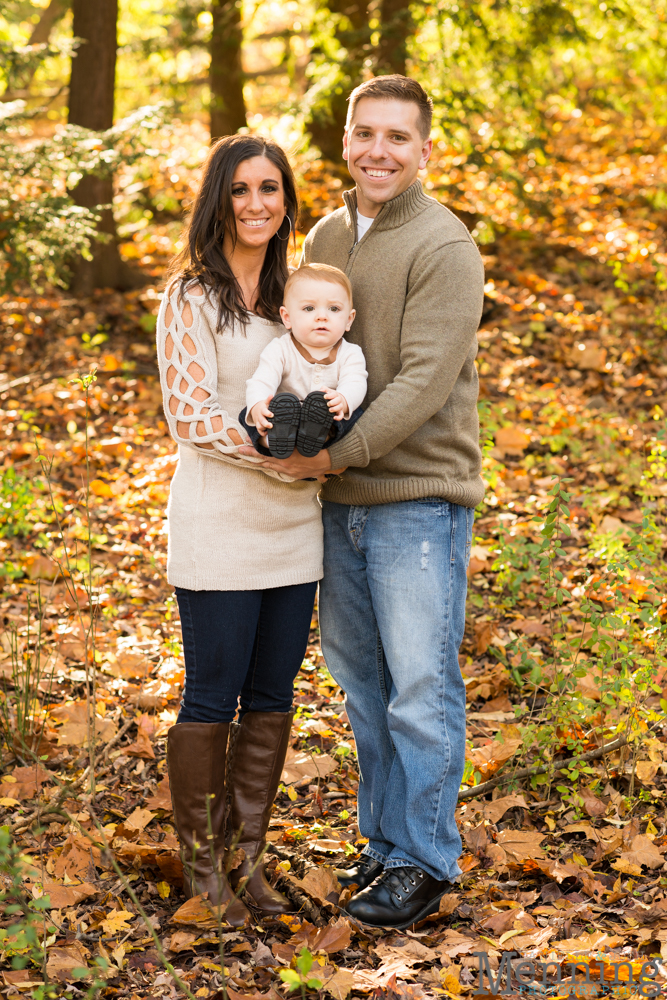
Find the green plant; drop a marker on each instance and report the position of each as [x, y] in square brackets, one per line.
[299, 977]
[620, 644]
[41, 229]
[25, 940]
[18, 498]
[21, 717]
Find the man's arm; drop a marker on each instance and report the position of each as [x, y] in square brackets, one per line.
[442, 313]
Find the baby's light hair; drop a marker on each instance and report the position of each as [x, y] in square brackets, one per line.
[320, 272]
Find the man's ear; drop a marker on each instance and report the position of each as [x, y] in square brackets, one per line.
[425, 153]
[346, 147]
[284, 315]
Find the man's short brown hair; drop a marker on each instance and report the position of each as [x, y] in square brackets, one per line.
[398, 88]
[320, 272]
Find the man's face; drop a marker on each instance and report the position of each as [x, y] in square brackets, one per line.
[384, 150]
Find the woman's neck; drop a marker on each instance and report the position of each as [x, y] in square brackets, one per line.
[246, 264]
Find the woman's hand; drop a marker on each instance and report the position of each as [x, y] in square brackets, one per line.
[296, 465]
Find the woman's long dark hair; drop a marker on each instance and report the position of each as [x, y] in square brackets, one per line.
[202, 258]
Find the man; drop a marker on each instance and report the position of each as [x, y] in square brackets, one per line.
[398, 522]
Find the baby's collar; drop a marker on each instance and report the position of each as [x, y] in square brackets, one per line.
[328, 360]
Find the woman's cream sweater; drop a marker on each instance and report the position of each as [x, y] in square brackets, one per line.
[232, 525]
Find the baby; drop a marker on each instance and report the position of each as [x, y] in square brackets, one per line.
[309, 384]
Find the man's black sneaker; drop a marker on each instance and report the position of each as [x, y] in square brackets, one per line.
[361, 873]
[286, 410]
[316, 421]
[399, 898]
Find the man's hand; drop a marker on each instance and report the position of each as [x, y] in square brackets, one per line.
[261, 415]
[296, 465]
[337, 404]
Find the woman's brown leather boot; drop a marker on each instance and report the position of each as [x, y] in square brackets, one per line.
[196, 755]
[259, 754]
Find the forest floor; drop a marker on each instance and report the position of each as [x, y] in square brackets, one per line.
[565, 863]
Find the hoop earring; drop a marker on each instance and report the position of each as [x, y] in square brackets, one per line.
[277, 233]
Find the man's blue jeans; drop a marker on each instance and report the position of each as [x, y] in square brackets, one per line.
[392, 615]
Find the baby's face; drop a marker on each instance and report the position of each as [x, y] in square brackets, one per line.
[318, 313]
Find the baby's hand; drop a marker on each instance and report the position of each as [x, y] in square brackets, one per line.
[337, 403]
[261, 415]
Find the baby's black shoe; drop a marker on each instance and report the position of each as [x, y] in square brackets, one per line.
[286, 410]
[316, 421]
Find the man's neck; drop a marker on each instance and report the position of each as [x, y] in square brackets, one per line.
[370, 209]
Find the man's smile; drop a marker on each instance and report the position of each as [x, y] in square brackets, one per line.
[379, 172]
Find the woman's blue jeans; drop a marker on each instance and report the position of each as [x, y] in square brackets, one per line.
[242, 644]
[392, 615]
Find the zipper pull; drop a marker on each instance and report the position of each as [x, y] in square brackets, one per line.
[351, 250]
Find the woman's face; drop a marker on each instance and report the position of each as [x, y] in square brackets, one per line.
[258, 199]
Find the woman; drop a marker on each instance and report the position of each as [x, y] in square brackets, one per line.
[245, 548]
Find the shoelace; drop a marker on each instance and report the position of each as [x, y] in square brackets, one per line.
[362, 864]
[401, 878]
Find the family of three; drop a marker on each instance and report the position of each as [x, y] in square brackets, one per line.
[327, 429]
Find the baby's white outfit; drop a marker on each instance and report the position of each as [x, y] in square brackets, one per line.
[283, 369]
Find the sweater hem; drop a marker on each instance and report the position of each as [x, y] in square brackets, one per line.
[264, 581]
[377, 491]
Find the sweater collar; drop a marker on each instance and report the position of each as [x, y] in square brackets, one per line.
[394, 213]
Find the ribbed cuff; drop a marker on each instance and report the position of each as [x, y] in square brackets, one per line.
[350, 450]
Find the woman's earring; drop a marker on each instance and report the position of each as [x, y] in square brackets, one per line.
[281, 226]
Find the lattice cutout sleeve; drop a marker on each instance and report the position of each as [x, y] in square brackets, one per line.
[194, 375]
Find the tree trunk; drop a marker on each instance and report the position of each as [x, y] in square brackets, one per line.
[227, 110]
[91, 101]
[328, 119]
[396, 26]
[42, 30]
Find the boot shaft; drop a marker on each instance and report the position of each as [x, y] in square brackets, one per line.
[196, 758]
[260, 747]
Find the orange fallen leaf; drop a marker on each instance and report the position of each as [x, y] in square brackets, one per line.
[100, 489]
[521, 844]
[77, 859]
[530, 626]
[320, 884]
[511, 440]
[24, 782]
[162, 797]
[337, 982]
[138, 819]
[304, 764]
[488, 759]
[643, 852]
[588, 355]
[67, 895]
[495, 810]
[63, 959]
[448, 904]
[336, 936]
[197, 912]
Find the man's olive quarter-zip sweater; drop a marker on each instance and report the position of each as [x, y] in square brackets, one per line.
[418, 284]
